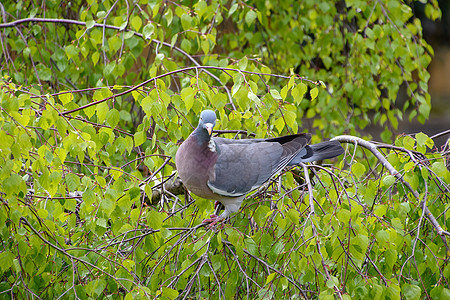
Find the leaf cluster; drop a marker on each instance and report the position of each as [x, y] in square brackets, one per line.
[95, 97]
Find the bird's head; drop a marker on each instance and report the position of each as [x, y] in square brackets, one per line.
[207, 121]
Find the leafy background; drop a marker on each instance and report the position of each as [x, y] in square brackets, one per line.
[96, 96]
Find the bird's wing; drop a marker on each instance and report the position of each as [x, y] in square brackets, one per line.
[245, 165]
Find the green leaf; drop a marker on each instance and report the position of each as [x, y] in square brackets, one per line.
[186, 45]
[290, 118]
[254, 98]
[243, 63]
[343, 215]
[275, 94]
[205, 46]
[391, 257]
[237, 84]
[382, 237]
[155, 219]
[388, 180]
[291, 82]
[169, 293]
[424, 109]
[298, 92]
[147, 105]
[6, 260]
[279, 124]
[11, 184]
[393, 292]
[114, 44]
[233, 236]
[94, 288]
[107, 206]
[370, 192]
[250, 17]
[445, 294]
[261, 214]
[90, 24]
[89, 111]
[108, 70]
[362, 241]
[408, 142]
[283, 92]
[43, 213]
[412, 179]
[148, 30]
[188, 96]
[89, 197]
[66, 98]
[380, 210]
[113, 117]
[139, 138]
[358, 169]
[314, 92]
[136, 22]
[439, 168]
[101, 109]
[102, 223]
[71, 51]
[277, 249]
[421, 138]
[126, 227]
[409, 166]
[251, 246]
[411, 292]
[186, 21]
[294, 216]
[44, 72]
[271, 277]
[115, 173]
[159, 58]
[72, 181]
[169, 17]
[232, 9]
[332, 282]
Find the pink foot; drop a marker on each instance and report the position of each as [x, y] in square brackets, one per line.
[216, 203]
[214, 219]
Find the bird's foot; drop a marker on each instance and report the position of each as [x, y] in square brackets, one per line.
[214, 219]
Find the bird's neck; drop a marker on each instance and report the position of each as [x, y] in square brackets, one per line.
[204, 140]
[202, 136]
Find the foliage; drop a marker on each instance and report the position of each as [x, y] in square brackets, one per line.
[96, 96]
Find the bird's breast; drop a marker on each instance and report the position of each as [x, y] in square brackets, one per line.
[195, 164]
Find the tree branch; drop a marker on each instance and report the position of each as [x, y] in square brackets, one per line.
[374, 149]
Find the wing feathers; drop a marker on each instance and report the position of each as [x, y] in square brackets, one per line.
[244, 165]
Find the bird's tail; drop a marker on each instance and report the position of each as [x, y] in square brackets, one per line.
[318, 152]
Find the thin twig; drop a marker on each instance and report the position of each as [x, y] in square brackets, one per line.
[373, 148]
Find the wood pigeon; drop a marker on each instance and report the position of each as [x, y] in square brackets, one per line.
[226, 170]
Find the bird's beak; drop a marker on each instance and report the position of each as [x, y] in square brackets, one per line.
[209, 128]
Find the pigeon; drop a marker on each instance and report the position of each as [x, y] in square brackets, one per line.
[226, 170]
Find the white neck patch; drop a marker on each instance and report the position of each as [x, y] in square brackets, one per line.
[211, 146]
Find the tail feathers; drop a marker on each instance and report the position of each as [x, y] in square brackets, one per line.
[318, 152]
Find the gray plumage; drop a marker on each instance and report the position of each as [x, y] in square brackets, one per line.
[226, 170]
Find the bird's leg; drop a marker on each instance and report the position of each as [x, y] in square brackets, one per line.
[218, 206]
[214, 219]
